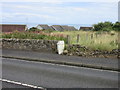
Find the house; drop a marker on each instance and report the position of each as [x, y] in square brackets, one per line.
[13, 27]
[52, 28]
[68, 28]
[43, 27]
[57, 28]
[71, 28]
[86, 28]
[65, 27]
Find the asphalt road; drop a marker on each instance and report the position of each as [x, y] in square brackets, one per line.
[105, 62]
[11, 85]
[57, 76]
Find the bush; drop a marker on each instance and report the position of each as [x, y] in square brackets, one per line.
[48, 31]
[107, 26]
[33, 29]
[116, 26]
[103, 26]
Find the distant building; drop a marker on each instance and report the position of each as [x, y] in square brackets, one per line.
[43, 27]
[12, 27]
[86, 28]
[68, 28]
[71, 28]
[52, 28]
[65, 27]
[57, 28]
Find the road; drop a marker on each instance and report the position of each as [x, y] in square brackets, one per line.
[57, 76]
[11, 85]
[103, 62]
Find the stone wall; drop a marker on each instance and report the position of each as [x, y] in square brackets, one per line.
[79, 50]
[51, 46]
[30, 44]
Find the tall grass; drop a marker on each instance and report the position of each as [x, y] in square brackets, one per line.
[94, 40]
[32, 35]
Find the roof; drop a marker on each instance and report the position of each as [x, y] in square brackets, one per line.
[65, 27]
[86, 28]
[44, 26]
[13, 27]
[57, 27]
[52, 28]
[71, 28]
[15, 24]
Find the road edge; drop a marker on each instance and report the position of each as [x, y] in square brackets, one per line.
[65, 63]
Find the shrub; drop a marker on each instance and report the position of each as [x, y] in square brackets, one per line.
[107, 26]
[103, 26]
[116, 26]
[33, 29]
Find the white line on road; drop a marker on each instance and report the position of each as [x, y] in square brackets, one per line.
[23, 84]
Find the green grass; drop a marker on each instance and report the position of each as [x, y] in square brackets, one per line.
[31, 35]
[100, 41]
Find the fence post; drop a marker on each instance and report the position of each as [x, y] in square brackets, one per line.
[78, 38]
[86, 37]
[68, 39]
[96, 35]
[91, 36]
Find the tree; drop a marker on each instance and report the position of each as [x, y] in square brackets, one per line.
[98, 27]
[103, 26]
[116, 26]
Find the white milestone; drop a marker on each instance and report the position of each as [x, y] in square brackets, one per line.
[60, 47]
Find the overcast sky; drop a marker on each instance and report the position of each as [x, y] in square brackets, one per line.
[59, 12]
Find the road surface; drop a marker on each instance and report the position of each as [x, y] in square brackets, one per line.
[57, 76]
[103, 62]
[11, 85]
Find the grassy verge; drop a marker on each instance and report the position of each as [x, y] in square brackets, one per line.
[94, 40]
[32, 35]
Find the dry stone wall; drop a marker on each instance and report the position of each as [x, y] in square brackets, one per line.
[83, 51]
[51, 46]
[30, 44]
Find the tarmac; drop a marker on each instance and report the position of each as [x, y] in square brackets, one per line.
[46, 57]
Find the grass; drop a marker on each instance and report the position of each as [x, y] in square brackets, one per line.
[94, 40]
[32, 35]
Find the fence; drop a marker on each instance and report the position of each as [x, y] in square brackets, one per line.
[90, 38]
[78, 38]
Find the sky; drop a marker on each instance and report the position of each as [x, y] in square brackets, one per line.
[58, 11]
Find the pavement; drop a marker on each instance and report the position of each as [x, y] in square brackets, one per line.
[98, 63]
[49, 75]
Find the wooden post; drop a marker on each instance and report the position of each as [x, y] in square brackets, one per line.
[91, 36]
[87, 36]
[68, 39]
[78, 38]
[96, 35]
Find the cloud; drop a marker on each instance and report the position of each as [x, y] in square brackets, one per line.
[13, 15]
[59, 1]
[60, 13]
[45, 8]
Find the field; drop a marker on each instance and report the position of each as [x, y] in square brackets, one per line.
[94, 40]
